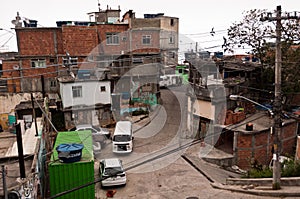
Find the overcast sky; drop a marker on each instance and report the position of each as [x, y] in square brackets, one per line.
[197, 17]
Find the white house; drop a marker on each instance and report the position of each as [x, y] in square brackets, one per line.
[85, 93]
[85, 101]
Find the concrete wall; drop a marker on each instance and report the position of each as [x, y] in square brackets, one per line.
[204, 109]
[145, 23]
[170, 23]
[8, 103]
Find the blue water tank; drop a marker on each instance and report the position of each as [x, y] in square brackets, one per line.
[61, 23]
[84, 74]
[69, 153]
[81, 23]
[30, 23]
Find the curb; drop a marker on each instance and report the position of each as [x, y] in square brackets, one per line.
[285, 191]
[273, 193]
[150, 117]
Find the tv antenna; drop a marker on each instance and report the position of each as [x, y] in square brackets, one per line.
[99, 6]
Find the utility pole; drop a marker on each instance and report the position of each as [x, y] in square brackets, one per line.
[4, 182]
[20, 151]
[277, 100]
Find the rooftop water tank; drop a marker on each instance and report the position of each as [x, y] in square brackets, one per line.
[69, 153]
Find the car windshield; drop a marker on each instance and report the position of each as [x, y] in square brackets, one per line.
[121, 138]
[113, 171]
[96, 128]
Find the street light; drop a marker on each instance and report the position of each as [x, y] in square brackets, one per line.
[236, 97]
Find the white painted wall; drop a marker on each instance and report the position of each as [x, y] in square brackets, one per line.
[91, 93]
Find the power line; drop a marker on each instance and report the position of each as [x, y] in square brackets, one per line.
[7, 41]
[205, 33]
[153, 158]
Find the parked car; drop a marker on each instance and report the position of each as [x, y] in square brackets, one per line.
[112, 172]
[97, 147]
[94, 129]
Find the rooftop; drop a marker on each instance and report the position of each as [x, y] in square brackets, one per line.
[261, 122]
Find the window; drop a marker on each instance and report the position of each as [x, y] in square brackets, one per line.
[72, 61]
[52, 60]
[146, 39]
[112, 38]
[53, 83]
[137, 60]
[172, 39]
[172, 22]
[38, 63]
[77, 91]
[102, 88]
[172, 55]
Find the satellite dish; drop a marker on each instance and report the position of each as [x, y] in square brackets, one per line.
[17, 22]
[16, 67]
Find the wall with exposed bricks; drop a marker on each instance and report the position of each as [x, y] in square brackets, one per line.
[257, 147]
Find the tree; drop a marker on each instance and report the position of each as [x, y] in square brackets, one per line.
[260, 35]
[250, 32]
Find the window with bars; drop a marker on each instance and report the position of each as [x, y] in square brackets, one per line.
[71, 61]
[38, 63]
[77, 91]
[146, 39]
[102, 88]
[112, 38]
[172, 39]
[53, 83]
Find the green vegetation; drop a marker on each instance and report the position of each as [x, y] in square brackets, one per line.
[259, 173]
[291, 169]
[288, 169]
[253, 32]
[140, 112]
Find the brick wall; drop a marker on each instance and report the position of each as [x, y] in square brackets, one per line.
[257, 146]
[52, 44]
[13, 82]
[38, 41]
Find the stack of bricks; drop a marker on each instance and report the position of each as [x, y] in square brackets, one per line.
[233, 118]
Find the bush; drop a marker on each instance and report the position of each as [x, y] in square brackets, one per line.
[291, 169]
[288, 169]
[257, 173]
[140, 112]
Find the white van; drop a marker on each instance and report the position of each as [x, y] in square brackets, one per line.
[122, 140]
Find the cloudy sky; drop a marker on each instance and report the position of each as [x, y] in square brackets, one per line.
[197, 17]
